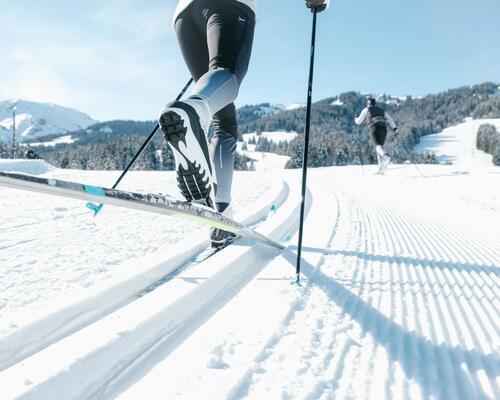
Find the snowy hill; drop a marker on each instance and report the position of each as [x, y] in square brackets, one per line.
[457, 145]
[36, 120]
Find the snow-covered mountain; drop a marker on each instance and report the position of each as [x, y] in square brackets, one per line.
[36, 120]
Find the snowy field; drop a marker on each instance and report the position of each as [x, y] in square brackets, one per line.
[399, 298]
[457, 145]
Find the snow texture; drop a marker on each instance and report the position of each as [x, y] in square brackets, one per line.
[398, 298]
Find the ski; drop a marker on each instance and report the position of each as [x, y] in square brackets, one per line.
[209, 252]
[145, 202]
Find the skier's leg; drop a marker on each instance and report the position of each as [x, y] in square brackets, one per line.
[223, 151]
[190, 28]
[379, 135]
[216, 40]
[380, 151]
[230, 37]
[185, 123]
[229, 30]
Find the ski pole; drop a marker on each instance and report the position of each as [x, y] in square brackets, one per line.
[97, 208]
[306, 147]
[360, 149]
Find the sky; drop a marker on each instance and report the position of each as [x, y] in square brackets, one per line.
[119, 59]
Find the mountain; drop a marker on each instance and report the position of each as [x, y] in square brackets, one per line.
[37, 120]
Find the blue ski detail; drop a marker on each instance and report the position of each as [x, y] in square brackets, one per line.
[98, 191]
[95, 208]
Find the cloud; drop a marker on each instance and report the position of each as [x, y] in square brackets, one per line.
[42, 84]
[142, 23]
[108, 59]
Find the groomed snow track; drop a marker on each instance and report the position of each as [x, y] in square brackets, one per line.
[48, 329]
[394, 306]
[81, 364]
[401, 308]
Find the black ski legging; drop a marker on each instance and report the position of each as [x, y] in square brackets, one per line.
[216, 39]
[378, 134]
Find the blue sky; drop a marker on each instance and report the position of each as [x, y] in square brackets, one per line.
[120, 59]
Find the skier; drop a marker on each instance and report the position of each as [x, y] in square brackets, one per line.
[215, 37]
[377, 120]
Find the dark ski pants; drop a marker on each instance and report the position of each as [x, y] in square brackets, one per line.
[216, 38]
[378, 134]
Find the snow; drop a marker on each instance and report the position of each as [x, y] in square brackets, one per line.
[60, 140]
[457, 145]
[31, 167]
[275, 137]
[35, 120]
[266, 162]
[399, 295]
[294, 106]
[67, 269]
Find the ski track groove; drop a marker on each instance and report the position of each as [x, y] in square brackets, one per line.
[403, 312]
[382, 222]
[437, 301]
[462, 309]
[438, 307]
[466, 314]
[465, 279]
[376, 327]
[362, 265]
[434, 288]
[355, 232]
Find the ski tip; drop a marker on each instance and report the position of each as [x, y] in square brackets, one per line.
[95, 208]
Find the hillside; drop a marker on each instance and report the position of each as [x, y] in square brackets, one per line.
[35, 121]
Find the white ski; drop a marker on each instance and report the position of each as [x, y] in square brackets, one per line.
[145, 202]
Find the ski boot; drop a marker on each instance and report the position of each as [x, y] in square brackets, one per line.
[219, 237]
[185, 126]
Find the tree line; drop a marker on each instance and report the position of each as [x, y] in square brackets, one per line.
[488, 140]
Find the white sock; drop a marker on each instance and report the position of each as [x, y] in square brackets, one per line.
[380, 151]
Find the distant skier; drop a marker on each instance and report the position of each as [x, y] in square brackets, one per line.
[215, 37]
[377, 120]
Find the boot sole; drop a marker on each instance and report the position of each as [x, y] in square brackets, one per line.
[193, 183]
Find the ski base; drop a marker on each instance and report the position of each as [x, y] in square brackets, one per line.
[145, 202]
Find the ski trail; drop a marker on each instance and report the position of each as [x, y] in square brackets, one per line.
[236, 348]
[151, 325]
[417, 304]
[76, 315]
